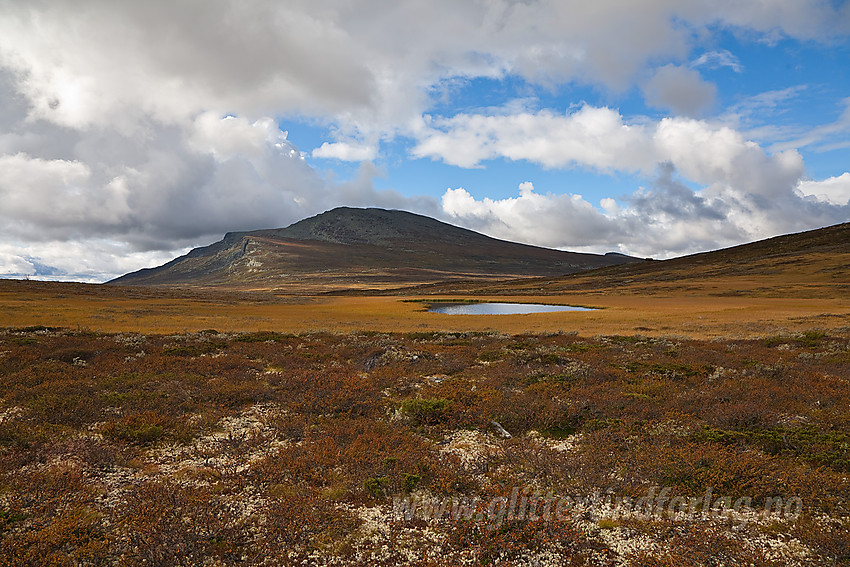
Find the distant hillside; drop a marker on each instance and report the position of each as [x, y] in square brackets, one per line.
[361, 248]
[814, 263]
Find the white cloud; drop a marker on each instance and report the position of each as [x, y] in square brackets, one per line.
[88, 63]
[345, 151]
[545, 220]
[590, 136]
[717, 59]
[610, 206]
[228, 136]
[601, 139]
[157, 189]
[835, 190]
[681, 90]
[718, 155]
[15, 265]
[668, 219]
[87, 260]
[58, 194]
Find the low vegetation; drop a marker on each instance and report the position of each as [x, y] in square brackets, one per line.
[280, 449]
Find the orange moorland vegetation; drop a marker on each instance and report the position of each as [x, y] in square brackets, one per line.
[268, 448]
[165, 310]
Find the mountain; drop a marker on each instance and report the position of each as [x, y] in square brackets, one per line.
[356, 248]
[811, 264]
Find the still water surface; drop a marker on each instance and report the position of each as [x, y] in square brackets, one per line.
[499, 308]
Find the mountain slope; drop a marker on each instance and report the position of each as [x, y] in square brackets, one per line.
[349, 247]
[814, 263]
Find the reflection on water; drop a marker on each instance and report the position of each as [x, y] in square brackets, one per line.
[499, 308]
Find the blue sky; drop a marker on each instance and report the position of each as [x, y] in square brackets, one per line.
[131, 132]
[811, 81]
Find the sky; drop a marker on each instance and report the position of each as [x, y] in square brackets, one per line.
[131, 132]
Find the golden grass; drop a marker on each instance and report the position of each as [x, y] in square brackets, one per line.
[691, 314]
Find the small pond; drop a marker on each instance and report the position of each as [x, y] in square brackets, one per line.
[499, 308]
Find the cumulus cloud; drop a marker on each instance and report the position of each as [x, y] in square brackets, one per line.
[167, 186]
[90, 63]
[345, 151]
[83, 63]
[590, 136]
[709, 187]
[15, 265]
[600, 138]
[27, 184]
[546, 220]
[663, 220]
[227, 136]
[835, 190]
[681, 90]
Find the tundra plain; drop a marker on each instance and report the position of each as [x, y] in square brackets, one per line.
[192, 425]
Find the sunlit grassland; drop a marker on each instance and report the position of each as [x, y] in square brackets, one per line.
[692, 314]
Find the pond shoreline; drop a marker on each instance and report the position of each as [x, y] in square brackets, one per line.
[495, 308]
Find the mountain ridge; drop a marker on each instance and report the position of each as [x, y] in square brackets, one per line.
[811, 263]
[350, 247]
